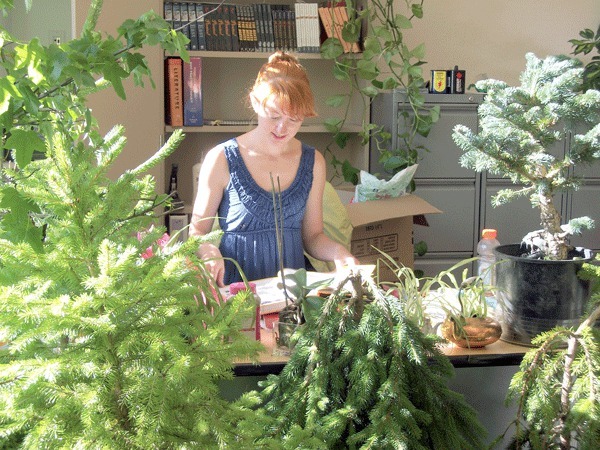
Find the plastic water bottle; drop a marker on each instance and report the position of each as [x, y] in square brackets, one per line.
[485, 269]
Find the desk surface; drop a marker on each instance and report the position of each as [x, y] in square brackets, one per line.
[499, 353]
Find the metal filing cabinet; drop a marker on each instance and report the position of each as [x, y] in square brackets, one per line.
[440, 179]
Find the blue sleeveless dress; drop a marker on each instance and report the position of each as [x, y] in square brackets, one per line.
[247, 219]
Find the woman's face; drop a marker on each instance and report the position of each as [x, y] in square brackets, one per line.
[279, 126]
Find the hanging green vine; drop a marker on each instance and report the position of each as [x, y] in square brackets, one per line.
[386, 63]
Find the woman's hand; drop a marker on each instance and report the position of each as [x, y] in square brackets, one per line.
[213, 261]
[345, 261]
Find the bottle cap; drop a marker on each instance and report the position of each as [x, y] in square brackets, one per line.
[489, 233]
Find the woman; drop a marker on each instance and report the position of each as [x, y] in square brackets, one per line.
[236, 179]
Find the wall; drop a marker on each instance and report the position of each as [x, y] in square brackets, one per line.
[489, 38]
[46, 19]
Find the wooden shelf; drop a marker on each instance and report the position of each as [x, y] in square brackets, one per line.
[244, 128]
[249, 55]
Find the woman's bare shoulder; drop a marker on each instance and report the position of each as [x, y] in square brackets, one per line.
[215, 159]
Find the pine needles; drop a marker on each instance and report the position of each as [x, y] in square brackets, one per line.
[366, 377]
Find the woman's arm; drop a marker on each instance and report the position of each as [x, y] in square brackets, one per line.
[316, 242]
[212, 180]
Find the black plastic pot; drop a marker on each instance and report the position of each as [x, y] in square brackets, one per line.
[538, 295]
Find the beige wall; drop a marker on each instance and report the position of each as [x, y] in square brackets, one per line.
[489, 38]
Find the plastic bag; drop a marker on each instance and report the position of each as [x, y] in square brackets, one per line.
[372, 188]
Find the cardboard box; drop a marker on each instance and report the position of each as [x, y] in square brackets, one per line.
[385, 225]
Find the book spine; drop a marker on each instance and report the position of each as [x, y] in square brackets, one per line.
[168, 13]
[174, 97]
[253, 39]
[192, 26]
[235, 43]
[220, 30]
[192, 90]
[185, 23]
[200, 26]
[313, 27]
[292, 31]
[276, 27]
[259, 27]
[299, 14]
[241, 27]
[268, 16]
[176, 16]
[208, 27]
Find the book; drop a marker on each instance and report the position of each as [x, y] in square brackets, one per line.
[278, 27]
[193, 26]
[174, 91]
[300, 25]
[242, 28]
[291, 31]
[252, 37]
[222, 44]
[235, 42]
[185, 23]
[333, 17]
[268, 18]
[208, 27]
[312, 27]
[168, 13]
[192, 92]
[200, 26]
[260, 35]
[176, 16]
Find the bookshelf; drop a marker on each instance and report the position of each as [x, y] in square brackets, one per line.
[226, 78]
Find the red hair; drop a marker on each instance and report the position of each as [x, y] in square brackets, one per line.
[284, 81]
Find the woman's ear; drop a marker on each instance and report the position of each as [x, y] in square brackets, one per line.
[256, 106]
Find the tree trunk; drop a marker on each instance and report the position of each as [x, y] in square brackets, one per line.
[550, 221]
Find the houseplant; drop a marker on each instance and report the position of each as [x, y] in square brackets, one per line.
[557, 389]
[459, 310]
[518, 125]
[115, 339]
[365, 376]
[385, 63]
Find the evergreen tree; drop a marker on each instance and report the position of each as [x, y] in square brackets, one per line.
[364, 376]
[519, 128]
[114, 336]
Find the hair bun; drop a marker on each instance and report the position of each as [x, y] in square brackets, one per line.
[282, 57]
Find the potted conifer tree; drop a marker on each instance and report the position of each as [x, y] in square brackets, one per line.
[539, 287]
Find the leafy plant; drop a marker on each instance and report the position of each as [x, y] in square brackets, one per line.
[518, 127]
[386, 63]
[116, 338]
[557, 388]
[588, 42]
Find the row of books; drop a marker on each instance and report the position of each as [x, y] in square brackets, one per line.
[258, 27]
[183, 92]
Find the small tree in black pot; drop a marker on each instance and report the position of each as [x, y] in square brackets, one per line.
[518, 126]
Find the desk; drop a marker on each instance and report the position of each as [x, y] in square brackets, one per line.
[499, 353]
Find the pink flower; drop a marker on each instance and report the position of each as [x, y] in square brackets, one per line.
[148, 253]
[161, 242]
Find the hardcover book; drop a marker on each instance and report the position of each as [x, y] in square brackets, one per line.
[168, 13]
[174, 91]
[193, 26]
[185, 23]
[200, 26]
[192, 90]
